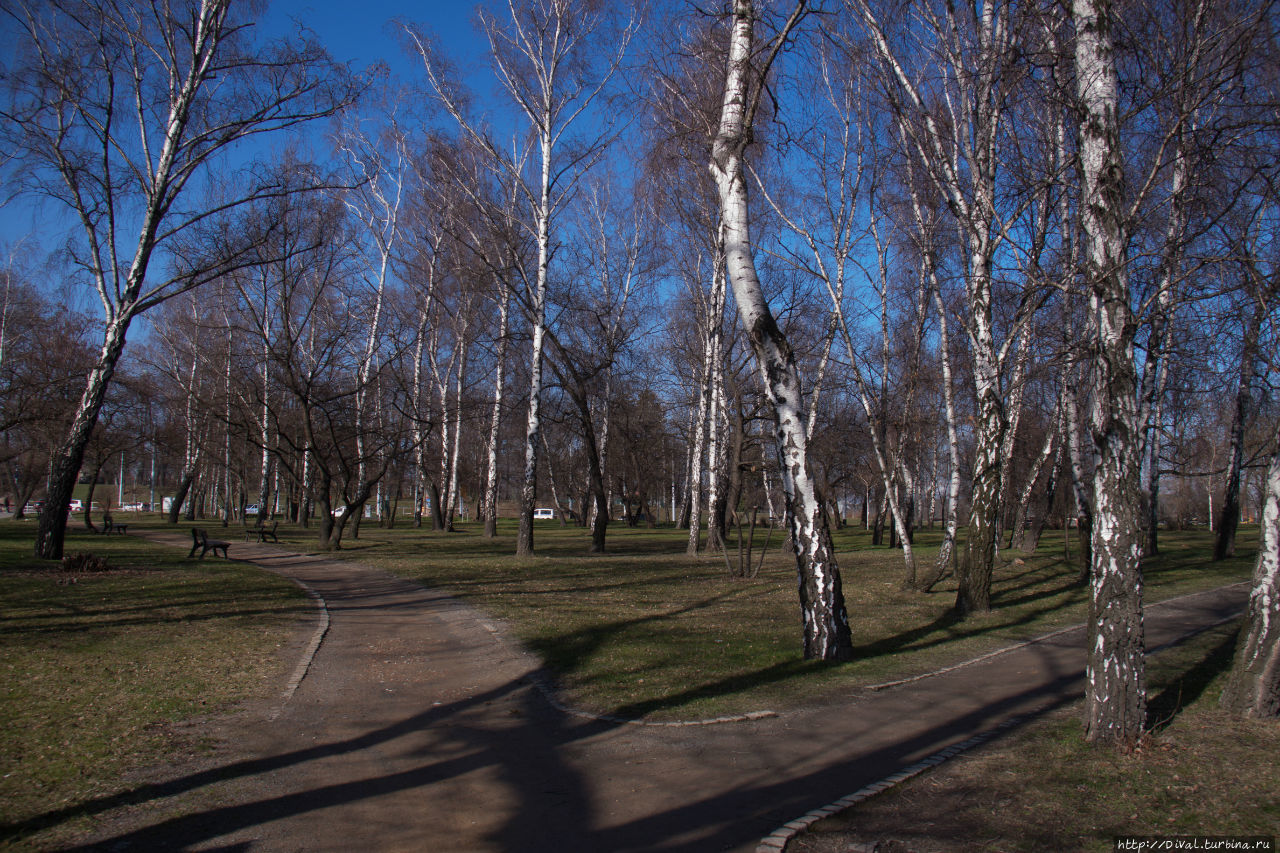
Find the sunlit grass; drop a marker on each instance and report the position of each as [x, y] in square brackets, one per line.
[96, 666]
[1202, 772]
[647, 631]
[96, 670]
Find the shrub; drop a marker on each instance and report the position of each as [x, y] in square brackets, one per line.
[78, 564]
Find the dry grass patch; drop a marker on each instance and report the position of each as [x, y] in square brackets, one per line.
[1201, 772]
[98, 666]
[646, 631]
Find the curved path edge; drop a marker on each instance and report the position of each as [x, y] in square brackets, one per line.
[779, 839]
[415, 722]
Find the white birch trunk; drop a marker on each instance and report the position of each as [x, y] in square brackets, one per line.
[826, 626]
[947, 548]
[453, 491]
[1253, 688]
[495, 421]
[533, 422]
[1017, 389]
[716, 420]
[1115, 691]
[1023, 505]
[264, 427]
[699, 438]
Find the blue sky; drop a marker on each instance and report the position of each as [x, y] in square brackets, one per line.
[360, 33]
[367, 35]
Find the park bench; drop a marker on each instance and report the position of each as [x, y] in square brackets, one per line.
[201, 541]
[262, 532]
[109, 526]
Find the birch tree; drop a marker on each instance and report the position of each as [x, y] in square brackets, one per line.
[830, 227]
[180, 335]
[547, 61]
[956, 133]
[115, 116]
[378, 162]
[1115, 691]
[826, 625]
[480, 211]
[1253, 688]
[596, 323]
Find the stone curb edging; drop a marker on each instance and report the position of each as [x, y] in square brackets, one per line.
[777, 840]
[304, 663]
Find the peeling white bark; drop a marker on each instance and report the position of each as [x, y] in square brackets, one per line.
[1115, 702]
[826, 627]
[1253, 688]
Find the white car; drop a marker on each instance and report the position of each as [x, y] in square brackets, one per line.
[545, 513]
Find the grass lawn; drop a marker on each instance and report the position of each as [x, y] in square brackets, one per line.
[1200, 772]
[95, 671]
[645, 631]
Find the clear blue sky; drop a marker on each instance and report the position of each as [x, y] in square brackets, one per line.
[360, 33]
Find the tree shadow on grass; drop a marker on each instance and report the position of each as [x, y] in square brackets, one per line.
[564, 652]
[1184, 690]
[785, 671]
[525, 755]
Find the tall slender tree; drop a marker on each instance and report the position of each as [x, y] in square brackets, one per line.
[826, 624]
[1115, 691]
[116, 114]
[547, 58]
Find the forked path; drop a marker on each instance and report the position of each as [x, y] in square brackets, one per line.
[418, 728]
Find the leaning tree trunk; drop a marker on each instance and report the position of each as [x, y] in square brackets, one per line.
[1017, 390]
[1115, 692]
[1031, 521]
[826, 625]
[1022, 509]
[1253, 688]
[70, 456]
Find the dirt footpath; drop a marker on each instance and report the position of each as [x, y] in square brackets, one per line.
[418, 727]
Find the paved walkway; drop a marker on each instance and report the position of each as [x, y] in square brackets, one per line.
[418, 728]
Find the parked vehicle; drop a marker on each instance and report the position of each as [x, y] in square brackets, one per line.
[544, 513]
